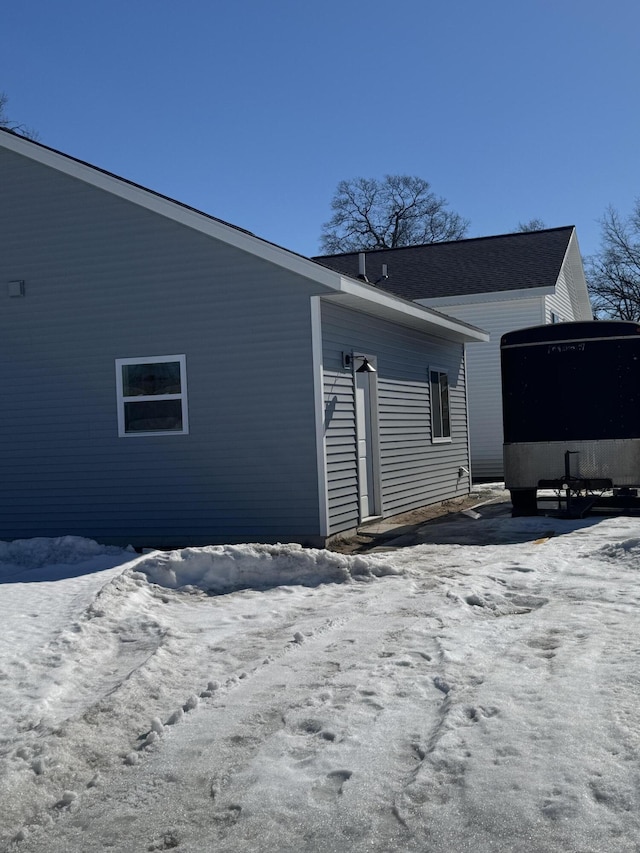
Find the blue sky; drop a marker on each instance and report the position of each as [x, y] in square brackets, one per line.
[253, 111]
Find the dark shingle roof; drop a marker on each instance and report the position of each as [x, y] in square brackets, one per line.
[464, 267]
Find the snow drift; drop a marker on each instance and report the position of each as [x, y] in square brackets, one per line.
[219, 569]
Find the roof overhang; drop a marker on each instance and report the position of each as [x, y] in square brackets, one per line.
[164, 206]
[378, 303]
[331, 284]
[492, 296]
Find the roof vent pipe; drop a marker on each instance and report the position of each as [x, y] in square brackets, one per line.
[384, 276]
[362, 266]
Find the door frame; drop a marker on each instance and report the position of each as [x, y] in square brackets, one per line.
[374, 491]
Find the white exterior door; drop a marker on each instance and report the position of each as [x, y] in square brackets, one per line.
[366, 430]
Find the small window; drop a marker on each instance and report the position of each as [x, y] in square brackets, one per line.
[440, 417]
[152, 395]
[555, 318]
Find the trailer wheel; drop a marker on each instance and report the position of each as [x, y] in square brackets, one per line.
[524, 502]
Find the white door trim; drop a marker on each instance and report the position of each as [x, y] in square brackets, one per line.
[365, 392]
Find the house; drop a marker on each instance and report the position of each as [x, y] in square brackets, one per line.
[170, 379]
[499, 283]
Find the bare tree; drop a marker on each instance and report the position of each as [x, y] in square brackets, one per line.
[531, 225]
[381, 214]
[8, 124]
[613, 275]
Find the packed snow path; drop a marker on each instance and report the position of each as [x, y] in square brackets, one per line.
[462, 697]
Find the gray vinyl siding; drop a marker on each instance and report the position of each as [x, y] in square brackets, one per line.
[106, 279]
[414, 471]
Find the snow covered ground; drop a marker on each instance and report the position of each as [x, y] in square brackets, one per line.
[478, 692]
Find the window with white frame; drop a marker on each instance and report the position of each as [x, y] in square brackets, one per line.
[440, 412]
[152, 395]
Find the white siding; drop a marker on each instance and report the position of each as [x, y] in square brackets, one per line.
[483, 366]
[560, 302]
[566, 302]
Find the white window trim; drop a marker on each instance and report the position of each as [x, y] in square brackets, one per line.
[439, 439]
[182, 396]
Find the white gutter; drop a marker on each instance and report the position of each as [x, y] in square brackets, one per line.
[383, 304]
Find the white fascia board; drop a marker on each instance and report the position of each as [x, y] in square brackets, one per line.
[189, 217]
[493, 296]
[369, 299]
[364, 297]
[170, 209]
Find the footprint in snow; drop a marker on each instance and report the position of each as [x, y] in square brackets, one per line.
[168, 841]
[229, 815]
[332, 785]
[532, 602]
[441, 684]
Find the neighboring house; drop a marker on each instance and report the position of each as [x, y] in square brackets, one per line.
[170, 379]
[499, 283]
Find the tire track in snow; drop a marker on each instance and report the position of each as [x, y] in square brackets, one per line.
[102, 649]
[295, 728]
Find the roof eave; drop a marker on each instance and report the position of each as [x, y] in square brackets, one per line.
[488, 296]
[378, 303]
[363, 297]
[170, 208]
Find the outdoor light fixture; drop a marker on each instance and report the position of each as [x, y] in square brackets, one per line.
[366, 366]
[349, 359]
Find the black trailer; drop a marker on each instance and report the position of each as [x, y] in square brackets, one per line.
[571, 410]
